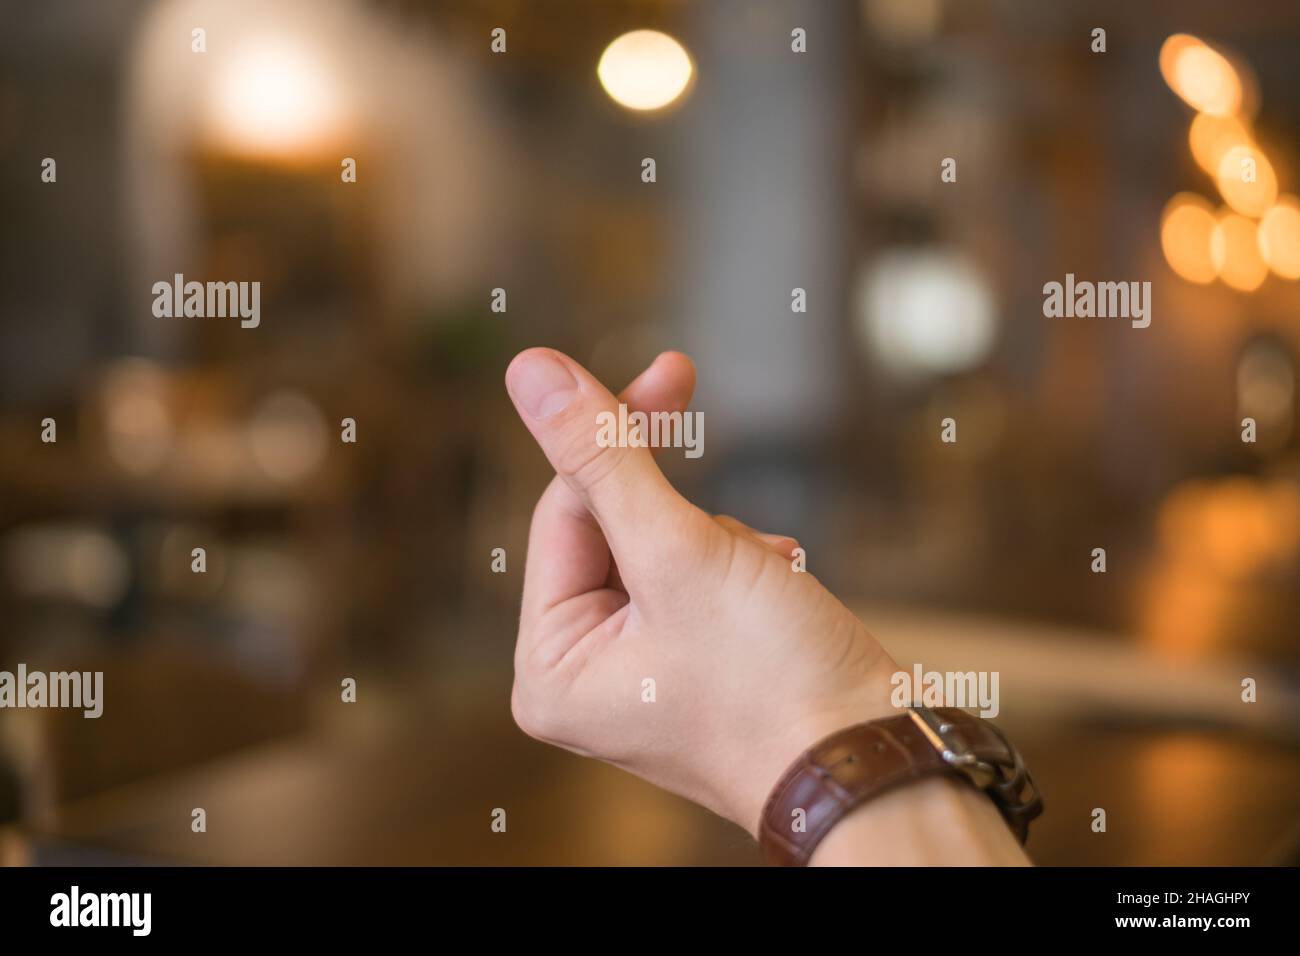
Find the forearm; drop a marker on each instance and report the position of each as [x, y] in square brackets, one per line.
[937, 821]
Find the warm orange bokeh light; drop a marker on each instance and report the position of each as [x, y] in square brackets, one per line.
[1279, 237]
[1214, 535]
[1247, 181]
[1174, 779]
[1186, 228]
[1210, 138]
[1233, 527]
[645, 70]
[1200, 75]
[1234, 248]
[276, 99]
[1237, 530]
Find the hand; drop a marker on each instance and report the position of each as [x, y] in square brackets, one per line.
[626, 581]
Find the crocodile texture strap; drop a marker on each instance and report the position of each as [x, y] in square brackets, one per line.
[855, 764]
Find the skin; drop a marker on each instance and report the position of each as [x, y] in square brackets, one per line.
[752, 662]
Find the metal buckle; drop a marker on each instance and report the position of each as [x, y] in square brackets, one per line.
[952, 748]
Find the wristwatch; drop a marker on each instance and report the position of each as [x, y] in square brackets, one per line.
[853, 765]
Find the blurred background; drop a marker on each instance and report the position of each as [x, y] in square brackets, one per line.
[521, 170]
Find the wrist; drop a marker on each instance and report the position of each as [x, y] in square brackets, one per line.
[769, 758]
[918, 787]
[933, 821]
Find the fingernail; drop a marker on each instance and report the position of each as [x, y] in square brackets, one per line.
[542, 384]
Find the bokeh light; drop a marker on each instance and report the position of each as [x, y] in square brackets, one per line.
[1235, 526]
[276, 99]
[67, 562]
[138, 428]
[1266, 393]
[926, 311]
[1202, 76]
[1234, 248]
[645, 70]
[1247, 181]
[1186, 230]
[1211, 137]
[287, 436]
[1279, 237]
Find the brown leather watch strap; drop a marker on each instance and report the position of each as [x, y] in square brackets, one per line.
[855, 764]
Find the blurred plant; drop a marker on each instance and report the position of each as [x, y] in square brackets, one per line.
[460, 342]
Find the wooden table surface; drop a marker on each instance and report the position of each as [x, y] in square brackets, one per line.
[411, 775]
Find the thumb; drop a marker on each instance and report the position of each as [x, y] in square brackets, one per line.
[561, 403]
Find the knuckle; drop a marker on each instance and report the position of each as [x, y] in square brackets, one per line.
[588, 463]
[528, 715]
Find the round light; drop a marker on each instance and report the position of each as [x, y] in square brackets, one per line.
[1210, 138]
[644, 70]
[1266, 391]
[1202, 76]
[1185, 231]
[137, 421]
[1247, 181]
[1235, 250]
[287, 436]
[926, 311]
[1279, 238]
[276, 98]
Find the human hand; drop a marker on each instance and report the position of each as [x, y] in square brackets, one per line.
[752, 661]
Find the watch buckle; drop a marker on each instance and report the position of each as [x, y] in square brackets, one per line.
[954, 750]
